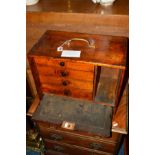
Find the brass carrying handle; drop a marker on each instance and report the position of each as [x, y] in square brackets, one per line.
[90, 43]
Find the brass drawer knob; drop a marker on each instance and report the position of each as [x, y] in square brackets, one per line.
[58, 148]
[65, 83]
[67, 92]
[95, 146]
[56, 137]
[62, 63]
[64, 73]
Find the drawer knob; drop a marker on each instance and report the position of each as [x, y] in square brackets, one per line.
[56, 137]
[64, 73]
[67, 92]
[58, 148]
[65, 83]
[95, 146]
[62, 63]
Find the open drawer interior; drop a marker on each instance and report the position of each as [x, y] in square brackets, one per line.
[107, 81]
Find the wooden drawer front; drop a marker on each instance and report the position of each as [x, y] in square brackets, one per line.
[78, 141]
[67, 91]
[62, 63]
[49, 152]
[65, 73]
[70, 149]
[66, 82]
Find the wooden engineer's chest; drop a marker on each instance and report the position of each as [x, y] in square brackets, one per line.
[79, 79]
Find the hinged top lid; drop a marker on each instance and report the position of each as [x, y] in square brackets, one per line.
[101, 50]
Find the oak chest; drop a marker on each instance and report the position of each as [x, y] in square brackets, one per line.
[96, 74]
[79, 80]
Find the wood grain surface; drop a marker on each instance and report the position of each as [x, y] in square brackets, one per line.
[33, 106]
[67, 64]
[68, 91]
[71, 149]
[66, 82]
[79, 140]
[120, 119]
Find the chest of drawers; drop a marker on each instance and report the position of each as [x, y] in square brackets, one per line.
[64, 77]
[84, 142]
[60, 141]
[95, 77]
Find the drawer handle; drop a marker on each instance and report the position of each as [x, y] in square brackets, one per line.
[56, 137]
[62, 63]
[58, 148]
[67, 92]
[65, 83]
[64, 73]
[95, 146]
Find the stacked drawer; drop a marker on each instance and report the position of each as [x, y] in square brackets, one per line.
[66, 77]
[72, 143]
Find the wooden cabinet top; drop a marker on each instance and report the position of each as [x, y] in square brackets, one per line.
[110, 51]
[119, 7]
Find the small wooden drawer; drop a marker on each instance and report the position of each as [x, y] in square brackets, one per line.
[66, 82]
[62, 63]
[71, 149]
[72, 139]
[67, 91]
[65, 73]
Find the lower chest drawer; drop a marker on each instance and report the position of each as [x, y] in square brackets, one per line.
[51, 152]
[70, 149]
[78, 140]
